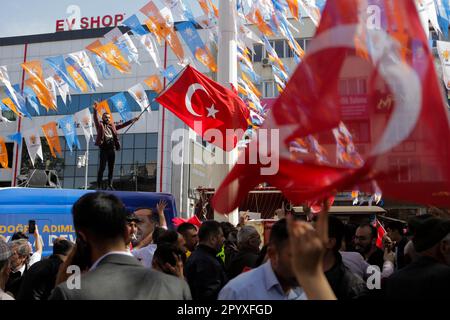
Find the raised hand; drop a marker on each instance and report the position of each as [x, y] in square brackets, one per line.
[307, 249]
[162, 204]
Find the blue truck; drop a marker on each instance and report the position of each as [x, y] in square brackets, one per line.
[52, 210]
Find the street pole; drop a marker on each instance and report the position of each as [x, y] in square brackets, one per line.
[86, 162]
[226, 75]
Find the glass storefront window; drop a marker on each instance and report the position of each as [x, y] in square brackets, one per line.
[139, 140]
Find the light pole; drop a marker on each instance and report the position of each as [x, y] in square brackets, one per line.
[226, 75]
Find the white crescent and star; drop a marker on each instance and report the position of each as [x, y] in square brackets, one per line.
[403, 81]
[188, 101]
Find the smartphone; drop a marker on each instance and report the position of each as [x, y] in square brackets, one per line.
[31, 226]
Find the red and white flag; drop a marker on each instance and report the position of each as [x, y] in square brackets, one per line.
[372, 77]
[214, 112]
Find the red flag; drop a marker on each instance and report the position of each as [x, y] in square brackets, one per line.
[386, 104]
[193, 220]
[203, 104]
[380, 234]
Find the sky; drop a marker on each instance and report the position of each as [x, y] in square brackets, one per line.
[26, 17]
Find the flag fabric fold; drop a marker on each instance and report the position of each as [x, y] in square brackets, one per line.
[69, 129]
[137, 92]
[204, 104]
[3, 153]
[84, 118]
[119, 102]
[32, 139]
[400, 108]
[51, 134]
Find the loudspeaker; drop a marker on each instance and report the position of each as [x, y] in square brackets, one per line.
[43, 179]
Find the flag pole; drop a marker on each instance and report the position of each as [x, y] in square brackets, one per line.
[226, 76]
[87, 165]
[154, 99]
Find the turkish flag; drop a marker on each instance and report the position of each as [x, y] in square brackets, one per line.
[364, 109]
[204, 105]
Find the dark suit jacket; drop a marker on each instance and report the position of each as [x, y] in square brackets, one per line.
[242, 260]
[121, 277]
[205, 273]
[112, 126]
[39, 281]
[424, 278]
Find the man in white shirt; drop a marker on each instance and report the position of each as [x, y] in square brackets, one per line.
[274, 280]
[146, 226]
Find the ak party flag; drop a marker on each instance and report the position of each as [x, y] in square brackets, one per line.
[51, 134]
[84, 118]
[32, 139]
[119, 101]
[69, 129]
[3, 153]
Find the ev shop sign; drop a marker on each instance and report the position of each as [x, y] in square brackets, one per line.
[75, 20]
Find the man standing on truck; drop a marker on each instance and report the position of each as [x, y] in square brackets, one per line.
[108, 142]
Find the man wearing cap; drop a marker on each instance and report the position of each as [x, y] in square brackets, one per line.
[429, 276]
[5, 254]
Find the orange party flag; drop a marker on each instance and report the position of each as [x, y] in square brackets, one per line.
[3, 153]
[34, 69]
[103, 107]
[154, 83]
[78, 79]
[204, 56]
[8, 102]
[111, 54]
[51, 133]
[41, 91]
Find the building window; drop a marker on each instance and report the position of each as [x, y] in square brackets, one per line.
[353, 86]
[135, 166]
[278, 45]
[257, 56]
[268, 89]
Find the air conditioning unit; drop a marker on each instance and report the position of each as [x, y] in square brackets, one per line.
[265, 62]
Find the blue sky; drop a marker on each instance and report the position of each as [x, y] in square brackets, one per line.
[25, 17]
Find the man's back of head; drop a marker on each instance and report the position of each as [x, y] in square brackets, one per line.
[336, 231]
[101, 217]
[19, 235]
[248, 238]
[62, 246]
[211, 234]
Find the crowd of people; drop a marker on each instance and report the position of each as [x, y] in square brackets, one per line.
[134, 255]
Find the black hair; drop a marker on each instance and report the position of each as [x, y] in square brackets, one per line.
[19, 235]
[101, 214]
[262, 254]
[182, 228]
[3, 264]
[279, 234]
[166, 253]
[157, 233]
[373, 230]
[227, 228]
[167, 237]
[209, 229]
[396, 225]
[62, 246]
[336, 230]
[349, 235]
